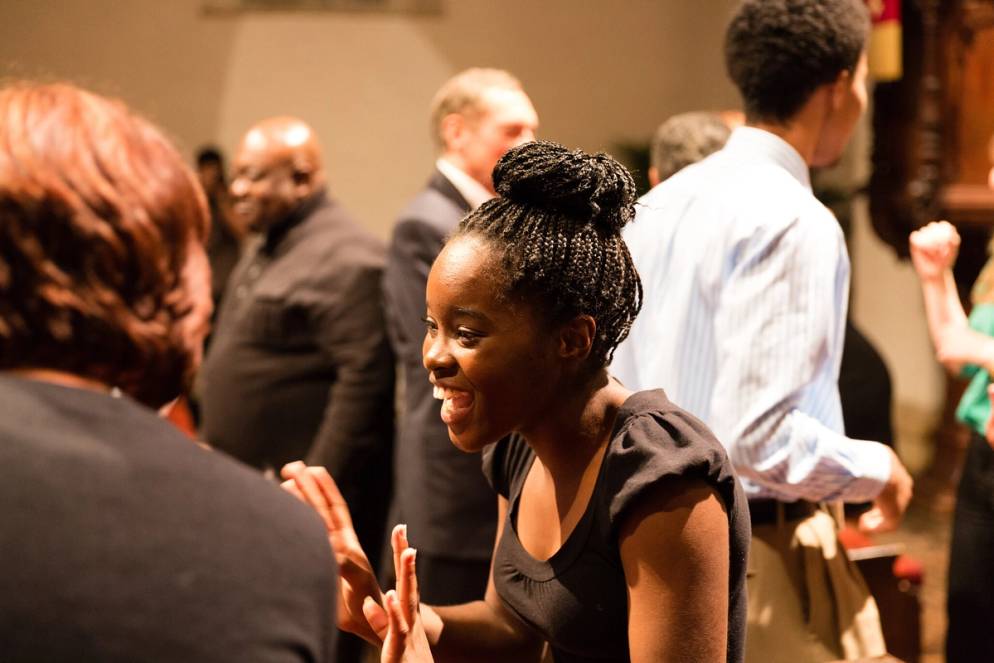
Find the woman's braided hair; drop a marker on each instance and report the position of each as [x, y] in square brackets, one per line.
[557, 225]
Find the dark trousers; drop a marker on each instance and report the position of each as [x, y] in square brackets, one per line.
[970, 601]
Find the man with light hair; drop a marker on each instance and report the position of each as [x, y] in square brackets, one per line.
[440, 492]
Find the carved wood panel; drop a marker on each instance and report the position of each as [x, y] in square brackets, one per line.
[933, 127]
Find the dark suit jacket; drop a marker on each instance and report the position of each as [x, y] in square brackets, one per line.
[440, 492]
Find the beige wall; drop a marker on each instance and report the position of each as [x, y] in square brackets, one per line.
[598, 71]
[161, 57]
[887, 307]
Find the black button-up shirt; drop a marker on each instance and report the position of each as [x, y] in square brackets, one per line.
[299, 365]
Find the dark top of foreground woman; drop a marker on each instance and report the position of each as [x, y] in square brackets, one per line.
[577, 599]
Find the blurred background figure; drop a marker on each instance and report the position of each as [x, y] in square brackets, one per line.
[225, 240]
[685, 139]
[299, 365]
[120, 539]
[965, 347]
[441, 494]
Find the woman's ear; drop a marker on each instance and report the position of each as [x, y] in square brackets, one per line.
[576, 337]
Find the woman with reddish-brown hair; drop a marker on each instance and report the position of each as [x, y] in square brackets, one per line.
[120, 540]
[102, 231]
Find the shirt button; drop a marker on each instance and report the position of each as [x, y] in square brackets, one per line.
[241, 291]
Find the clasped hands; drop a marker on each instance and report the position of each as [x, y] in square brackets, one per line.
[390, 620]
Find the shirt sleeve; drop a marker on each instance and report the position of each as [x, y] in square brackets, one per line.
[777, 321]
[659, 446]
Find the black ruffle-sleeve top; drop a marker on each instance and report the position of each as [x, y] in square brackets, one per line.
[577, 599]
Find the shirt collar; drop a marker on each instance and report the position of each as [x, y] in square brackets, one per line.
[275, 234]
[753, 141]
[474, 192]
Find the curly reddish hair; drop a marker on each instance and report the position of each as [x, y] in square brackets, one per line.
[100, 222]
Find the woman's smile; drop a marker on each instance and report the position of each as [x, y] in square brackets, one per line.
[456, 404]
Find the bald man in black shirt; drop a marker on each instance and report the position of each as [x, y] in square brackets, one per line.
[299, 366]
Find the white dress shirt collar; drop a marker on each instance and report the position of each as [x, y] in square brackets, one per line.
[750, 140]
[475, 193]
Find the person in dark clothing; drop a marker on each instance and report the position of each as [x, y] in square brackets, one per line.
[299, 365]
[865, 396]
[865, 389]
[623, 530]
[225, 239]
[477, 115]
[120, 539]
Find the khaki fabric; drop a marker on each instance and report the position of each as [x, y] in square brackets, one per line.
[807, 601]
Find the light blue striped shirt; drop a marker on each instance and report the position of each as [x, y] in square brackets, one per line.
[746, 280]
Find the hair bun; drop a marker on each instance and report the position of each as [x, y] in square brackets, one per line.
[581, 186]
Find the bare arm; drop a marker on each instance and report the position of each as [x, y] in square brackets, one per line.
[481, 630]
[675, 552]
[943, 311]
[933, 253]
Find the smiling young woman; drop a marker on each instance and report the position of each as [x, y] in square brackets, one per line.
[623, 532]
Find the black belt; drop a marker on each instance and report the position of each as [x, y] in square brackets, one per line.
[764, 511]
